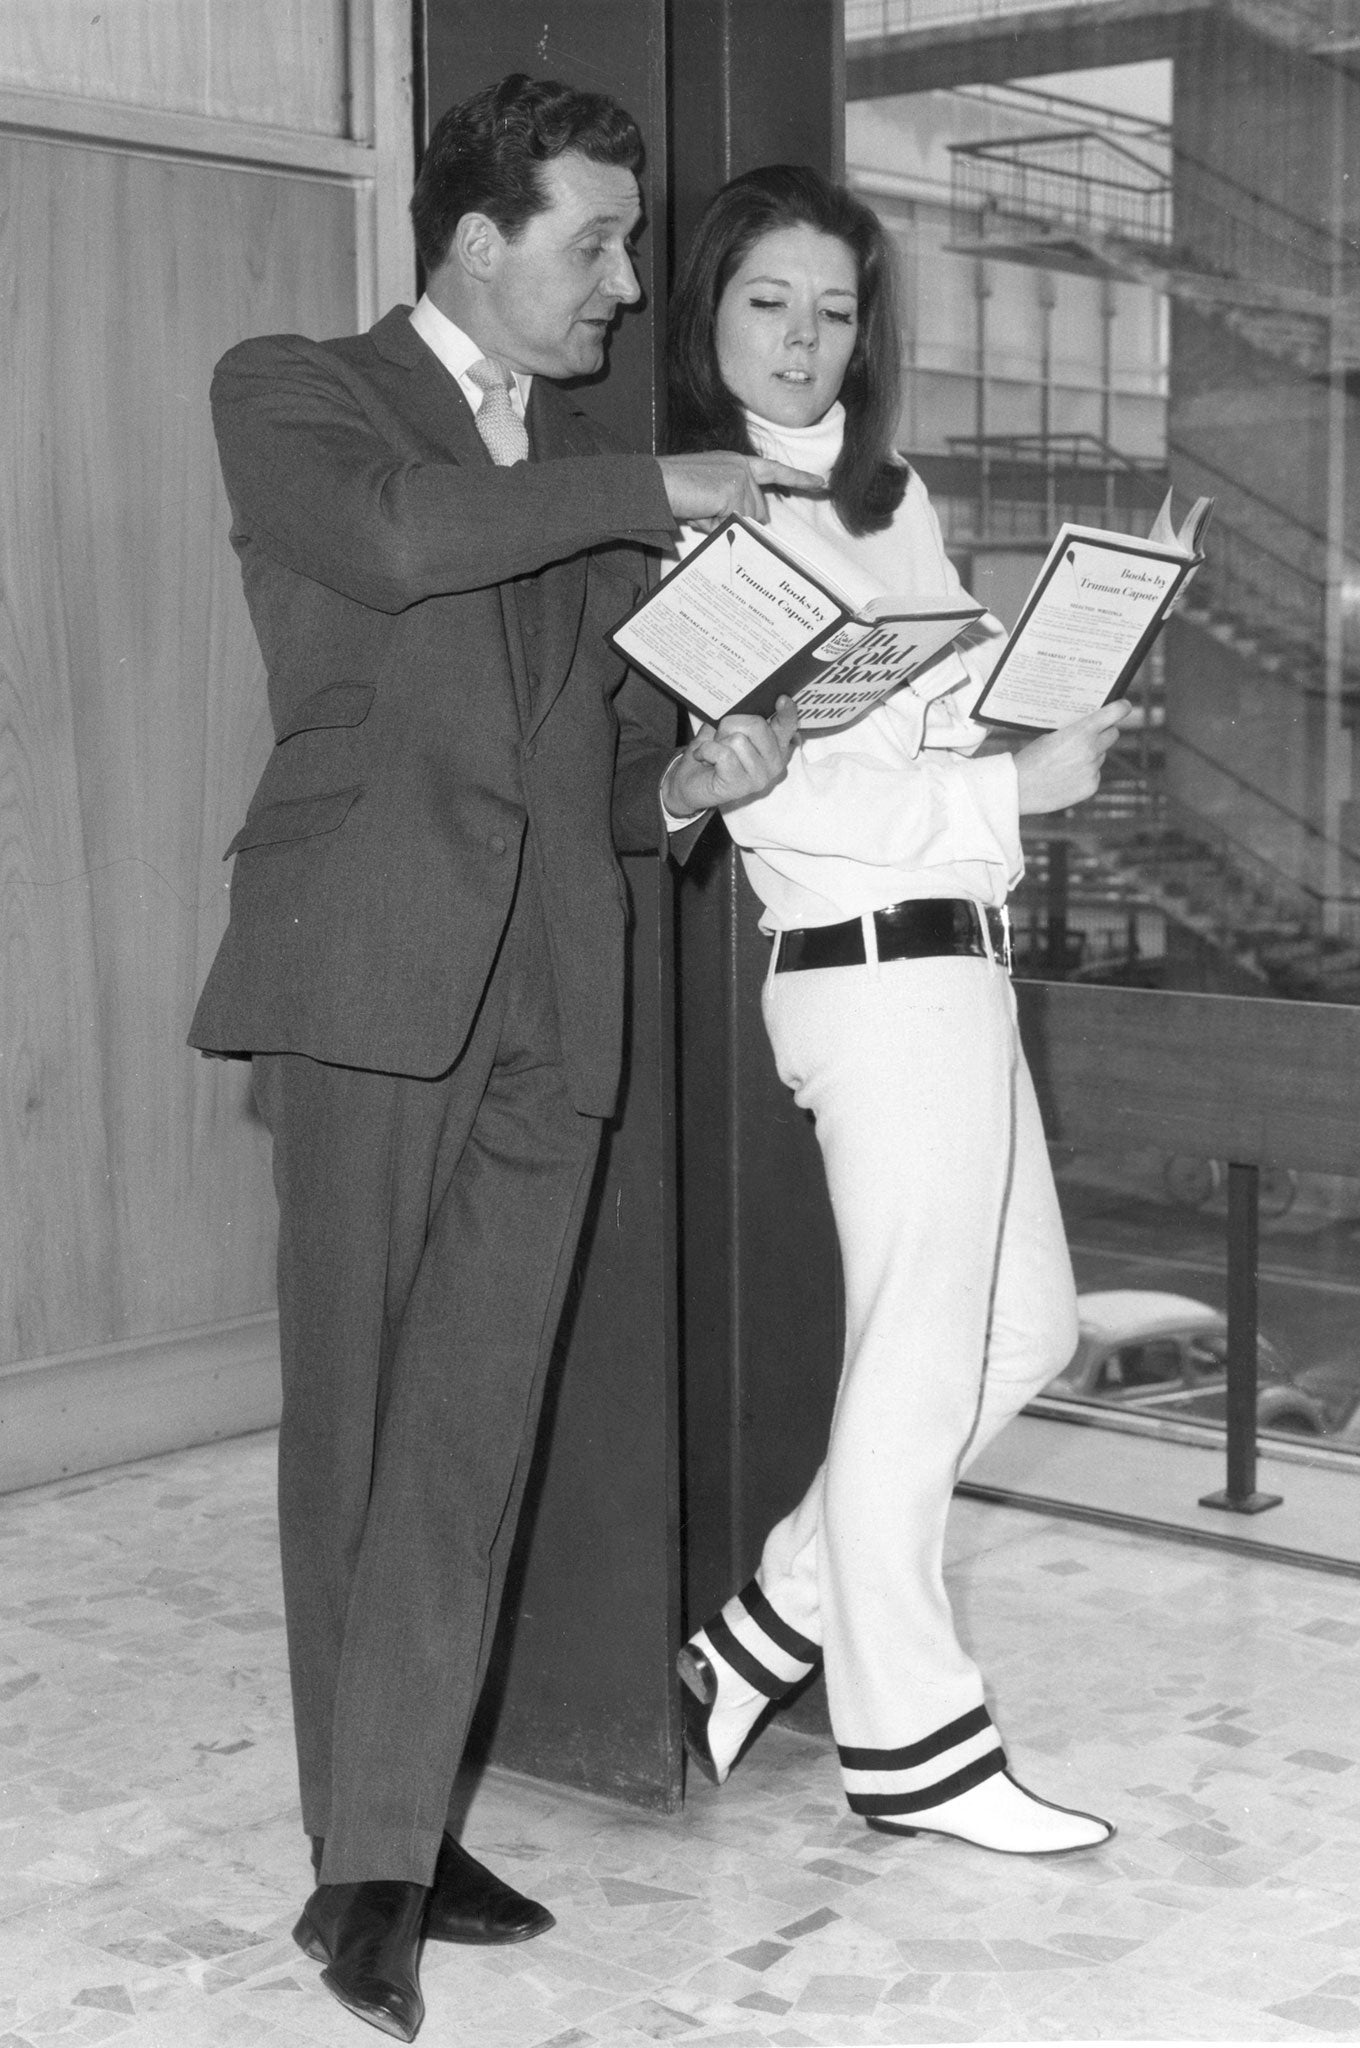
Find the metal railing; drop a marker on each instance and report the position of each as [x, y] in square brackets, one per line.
[865, 18]
[1268, 598]
[1305, 899]
[1306, 24]
[1027, 484]
[1231, 230]
[1181, 212]
[1076, 179]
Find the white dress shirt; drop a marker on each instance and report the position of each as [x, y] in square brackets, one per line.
[892, 806]
[458, 352]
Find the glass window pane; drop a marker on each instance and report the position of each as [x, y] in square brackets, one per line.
[1118, 280]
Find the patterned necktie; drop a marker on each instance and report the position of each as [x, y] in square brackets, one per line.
[499, 425]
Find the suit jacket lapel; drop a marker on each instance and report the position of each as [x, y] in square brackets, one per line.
[430, 397]
[433, 403]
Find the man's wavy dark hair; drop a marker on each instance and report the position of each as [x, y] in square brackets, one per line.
[867, 484]
[486, 155]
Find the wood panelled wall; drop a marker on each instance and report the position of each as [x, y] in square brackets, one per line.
[137, 242]
[284, 65]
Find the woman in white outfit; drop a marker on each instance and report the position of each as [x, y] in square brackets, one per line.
[883, 861]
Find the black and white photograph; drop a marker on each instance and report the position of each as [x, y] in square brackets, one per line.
[679, 1023]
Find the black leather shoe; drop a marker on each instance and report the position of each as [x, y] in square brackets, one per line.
[469, 1903]
[368, 1936]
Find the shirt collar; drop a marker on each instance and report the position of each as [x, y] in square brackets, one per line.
[457, 351]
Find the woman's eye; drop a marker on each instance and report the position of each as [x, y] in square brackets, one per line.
[768, 305]
[841, 319]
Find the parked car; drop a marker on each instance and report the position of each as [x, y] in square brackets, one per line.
[1337, 1386]
[1164, 1354]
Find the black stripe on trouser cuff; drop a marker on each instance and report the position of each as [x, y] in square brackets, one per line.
[922, 1752]
[886, 1803]
[743, 1663]
[776, 1628]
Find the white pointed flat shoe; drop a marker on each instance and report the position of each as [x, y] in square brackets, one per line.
[1002, 1816]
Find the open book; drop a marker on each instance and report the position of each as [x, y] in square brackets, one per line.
[745, 619]
[1098, 604]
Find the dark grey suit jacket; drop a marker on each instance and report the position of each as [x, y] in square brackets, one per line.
[442, 693]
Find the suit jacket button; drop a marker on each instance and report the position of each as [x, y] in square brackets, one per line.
[496, 843]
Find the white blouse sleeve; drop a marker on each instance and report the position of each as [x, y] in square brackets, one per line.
[859, 795]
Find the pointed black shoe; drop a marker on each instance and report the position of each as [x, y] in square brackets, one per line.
[368, 1935]
[469, 1903]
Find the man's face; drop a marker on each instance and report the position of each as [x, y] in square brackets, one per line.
[553, 291]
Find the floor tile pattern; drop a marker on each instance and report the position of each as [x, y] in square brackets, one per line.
[151, 1864]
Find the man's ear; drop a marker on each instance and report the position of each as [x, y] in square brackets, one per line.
[476, 246]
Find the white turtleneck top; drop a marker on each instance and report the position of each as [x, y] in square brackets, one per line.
[892, 806]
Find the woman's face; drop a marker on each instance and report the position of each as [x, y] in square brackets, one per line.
[786, 325]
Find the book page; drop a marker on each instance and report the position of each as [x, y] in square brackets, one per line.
[727, 618]
[1093, 605]
[883, 658]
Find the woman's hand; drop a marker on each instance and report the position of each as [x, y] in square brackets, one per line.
[714, 483]
[1063, 768]
[740, 760]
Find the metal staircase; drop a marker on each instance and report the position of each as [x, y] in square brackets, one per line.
[1119, 200]
[1124, 202]
[1135, 847]
[1325, 29]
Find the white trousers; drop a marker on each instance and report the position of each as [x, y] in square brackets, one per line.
[960, 1305]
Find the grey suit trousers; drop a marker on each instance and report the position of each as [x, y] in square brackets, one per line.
[426, 1236]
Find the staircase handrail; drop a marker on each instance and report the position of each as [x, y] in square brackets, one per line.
[1139, 467]
[1245, 490]
[1294, 223]
[1254, 867]
[1264, 796]
[997, 147]
[1297, 608]
[1142, 129]
[1266, 592]
[1228, 529]
[1031, 193]
[1140, 471]
[1302, 243]
[1055, 106]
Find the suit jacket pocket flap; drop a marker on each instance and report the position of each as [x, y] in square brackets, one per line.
[300, 817]
[335, 704]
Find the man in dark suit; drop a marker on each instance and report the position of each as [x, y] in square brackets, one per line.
[425, 949]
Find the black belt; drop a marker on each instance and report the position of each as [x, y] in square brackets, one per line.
[921, 929]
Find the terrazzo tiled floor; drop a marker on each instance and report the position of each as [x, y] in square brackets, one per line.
[151, 1865]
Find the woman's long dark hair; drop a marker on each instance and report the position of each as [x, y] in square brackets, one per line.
[866, 484]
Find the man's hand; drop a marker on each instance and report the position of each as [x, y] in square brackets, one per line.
[739, 760]
[710, 485]
[1063, 768]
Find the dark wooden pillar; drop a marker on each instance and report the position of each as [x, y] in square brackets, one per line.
[753, 81]
[583, 1689]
